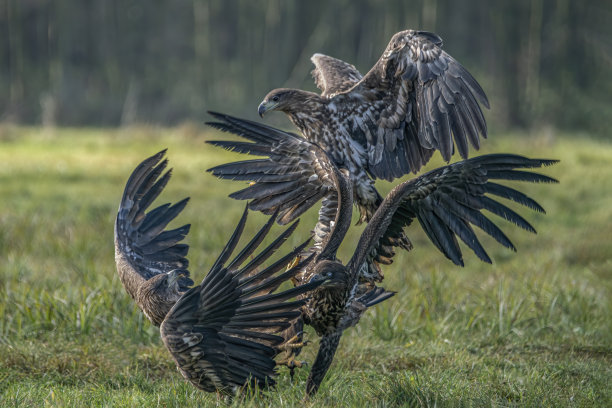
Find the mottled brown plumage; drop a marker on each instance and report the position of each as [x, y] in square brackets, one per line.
[225, 332]
[416, 99]
[446, 202]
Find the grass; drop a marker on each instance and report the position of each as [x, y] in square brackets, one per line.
[533, 329]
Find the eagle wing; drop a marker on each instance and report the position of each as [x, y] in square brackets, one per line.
[448, 201]
[332, 75]
[416, 99]
[295, 175]
[224, 333]
[142, 248]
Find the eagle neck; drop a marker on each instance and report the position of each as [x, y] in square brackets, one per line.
[307, 112]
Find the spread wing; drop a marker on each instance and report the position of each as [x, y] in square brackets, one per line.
[448, 201]
[295, 175]
[332, 75]
[223, 333]
[416, 98]
[143, 248]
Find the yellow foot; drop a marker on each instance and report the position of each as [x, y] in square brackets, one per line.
[296, 345]
[292, 364]
[294, 262]
[296, 342]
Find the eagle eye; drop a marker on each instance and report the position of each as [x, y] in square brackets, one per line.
[275, 98]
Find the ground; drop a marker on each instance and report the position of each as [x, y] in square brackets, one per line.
[533, 329]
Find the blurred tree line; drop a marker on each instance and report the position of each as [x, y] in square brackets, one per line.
[114, 62]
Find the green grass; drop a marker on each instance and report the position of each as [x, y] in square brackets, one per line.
[533, 329]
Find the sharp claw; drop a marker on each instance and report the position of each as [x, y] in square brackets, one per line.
[296, 341]
[291, 363]
[294, 262]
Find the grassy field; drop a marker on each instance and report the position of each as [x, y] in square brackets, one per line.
[533, 329]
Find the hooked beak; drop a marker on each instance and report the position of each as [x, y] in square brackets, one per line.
[331, 280]
[175, 275]
[264, 107]
[334, 284]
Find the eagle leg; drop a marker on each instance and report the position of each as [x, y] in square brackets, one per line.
[292, 264]
[296, 342]
[292, 347]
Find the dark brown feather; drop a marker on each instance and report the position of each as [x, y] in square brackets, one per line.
[224, 333]
[446, 202]
[145, 254]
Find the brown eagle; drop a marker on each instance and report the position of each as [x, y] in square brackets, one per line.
[225, 332]
[447, 202]
[414, 100]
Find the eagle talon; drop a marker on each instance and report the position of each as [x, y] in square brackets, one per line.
[296, 342]
[294, 262]
[297, 345]
[291, 363]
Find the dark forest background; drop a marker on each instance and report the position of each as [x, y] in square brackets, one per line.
[543, 63]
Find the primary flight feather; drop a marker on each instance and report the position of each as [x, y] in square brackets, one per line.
[446, 202]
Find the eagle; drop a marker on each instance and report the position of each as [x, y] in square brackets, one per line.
[416, 99]
[446, 202]
[225, 332]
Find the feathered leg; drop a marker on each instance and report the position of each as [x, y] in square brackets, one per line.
[292, 347]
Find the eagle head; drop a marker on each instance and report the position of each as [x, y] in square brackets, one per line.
[290, 101]
[158, 294]
[335, 274]
[277, 99]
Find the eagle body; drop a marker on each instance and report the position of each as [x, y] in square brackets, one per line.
[326, 304]
[323, 125]
[415, 100]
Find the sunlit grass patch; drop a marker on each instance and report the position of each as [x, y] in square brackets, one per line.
[533, 329]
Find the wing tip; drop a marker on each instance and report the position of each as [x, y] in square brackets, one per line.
[317, 55]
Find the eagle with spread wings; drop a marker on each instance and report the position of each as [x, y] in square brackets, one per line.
[447, 203]
[226, 332]
[416, 99]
